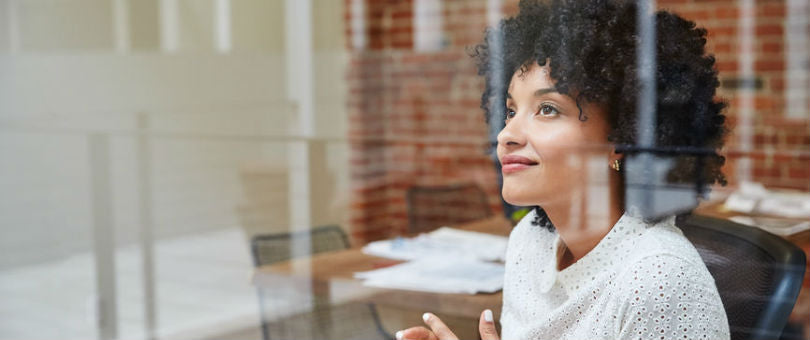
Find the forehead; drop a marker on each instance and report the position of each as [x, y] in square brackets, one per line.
[527, 81]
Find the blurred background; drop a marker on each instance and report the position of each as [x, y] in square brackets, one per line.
[145, 142]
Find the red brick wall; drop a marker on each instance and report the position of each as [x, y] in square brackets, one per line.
[781, 144]
[414, 116]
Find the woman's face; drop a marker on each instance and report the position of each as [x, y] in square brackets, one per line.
[545, 149]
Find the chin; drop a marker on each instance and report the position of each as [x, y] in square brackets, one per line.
[517, 199]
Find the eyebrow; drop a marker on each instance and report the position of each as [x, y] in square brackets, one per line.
[537, 93]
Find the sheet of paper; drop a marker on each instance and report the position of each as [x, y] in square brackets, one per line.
[438, 275]
[740, 203]
[794, 205]
[753, 198]
[773, 225]
[443, 242]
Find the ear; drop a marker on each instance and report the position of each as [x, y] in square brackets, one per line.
[615, 154]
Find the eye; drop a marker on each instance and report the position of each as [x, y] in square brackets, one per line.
[548, 110]
[509, 114]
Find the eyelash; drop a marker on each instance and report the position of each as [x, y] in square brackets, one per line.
[547, 105]
[509, 114]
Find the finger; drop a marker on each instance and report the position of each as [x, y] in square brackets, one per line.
[438, 327]
[486, 326]
[416, 333]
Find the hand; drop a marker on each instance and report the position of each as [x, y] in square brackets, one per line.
[439, 331]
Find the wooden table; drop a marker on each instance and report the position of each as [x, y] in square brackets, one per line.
[327, 273]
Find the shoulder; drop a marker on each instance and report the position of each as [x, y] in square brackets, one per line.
[665, 289]
[665, 294]
[660, 242]
[655, 252]
[666, 278]
[665, 267]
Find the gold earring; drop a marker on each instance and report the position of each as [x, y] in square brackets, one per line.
[615, 165]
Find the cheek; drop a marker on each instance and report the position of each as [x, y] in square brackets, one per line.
[544, 183]
[551, 180]
[555, 147]
[560, 170]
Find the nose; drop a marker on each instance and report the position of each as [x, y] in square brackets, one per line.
[511, 136]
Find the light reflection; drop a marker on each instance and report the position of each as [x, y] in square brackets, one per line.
[129, 219]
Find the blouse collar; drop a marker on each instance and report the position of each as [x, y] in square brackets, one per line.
[617, 244]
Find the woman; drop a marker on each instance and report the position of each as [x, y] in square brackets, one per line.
[572, 88]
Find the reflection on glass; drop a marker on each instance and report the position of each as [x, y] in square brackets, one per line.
[147, 143]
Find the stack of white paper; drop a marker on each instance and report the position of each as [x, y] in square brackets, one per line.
[754, 198]
[439, 275]
[443, 242]
[776, 226]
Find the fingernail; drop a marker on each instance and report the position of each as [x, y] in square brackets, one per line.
[426, 317]
[488, 315]
[399, 335]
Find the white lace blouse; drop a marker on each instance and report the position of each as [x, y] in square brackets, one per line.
[640, 282]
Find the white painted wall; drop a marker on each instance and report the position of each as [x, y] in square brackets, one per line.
[211, 114]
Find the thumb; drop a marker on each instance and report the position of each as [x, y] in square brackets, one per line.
[486, 326]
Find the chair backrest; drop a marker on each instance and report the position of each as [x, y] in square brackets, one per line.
[430, 207]
[758, 274]
[272, 248]
[322, 320]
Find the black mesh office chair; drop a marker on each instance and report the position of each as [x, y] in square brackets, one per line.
[758, 274]
[323, 320]
[272, 248]
[430, 207]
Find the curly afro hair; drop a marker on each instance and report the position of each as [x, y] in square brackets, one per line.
[590, 46]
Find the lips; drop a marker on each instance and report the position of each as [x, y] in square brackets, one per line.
[514, 163]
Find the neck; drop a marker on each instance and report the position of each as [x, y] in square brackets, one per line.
[579, 231]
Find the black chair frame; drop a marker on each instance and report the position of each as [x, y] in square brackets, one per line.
[415, 190]
[255, 240]
[789, 263]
